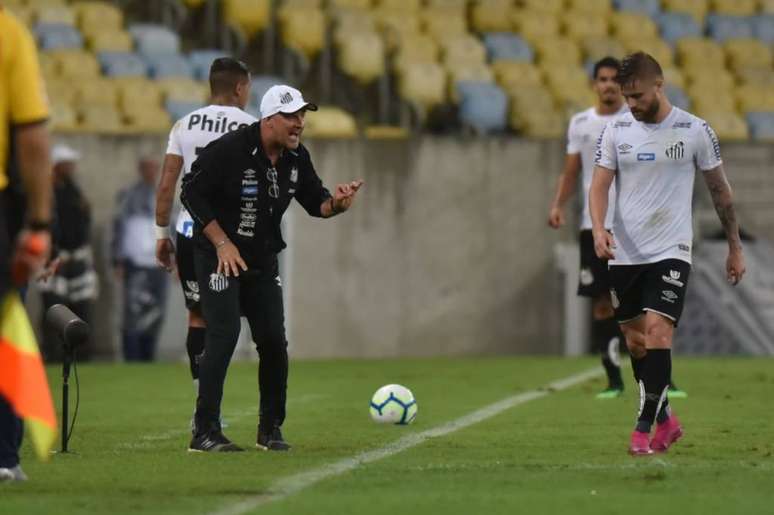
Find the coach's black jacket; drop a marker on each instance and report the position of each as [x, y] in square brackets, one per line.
[232, 181]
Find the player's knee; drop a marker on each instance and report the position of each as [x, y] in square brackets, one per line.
[658, 336]
[195, 318]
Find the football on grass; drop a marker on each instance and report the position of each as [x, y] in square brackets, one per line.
[393, 404]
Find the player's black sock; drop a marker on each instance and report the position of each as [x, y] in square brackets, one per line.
[656, 370]
[607, 336]
[194, 344]
[637, 367]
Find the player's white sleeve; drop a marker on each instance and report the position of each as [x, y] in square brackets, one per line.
[174, 147]
[606, 155]
[708, 149]
[574, 140]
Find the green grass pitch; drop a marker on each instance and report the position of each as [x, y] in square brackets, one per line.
[564, 453]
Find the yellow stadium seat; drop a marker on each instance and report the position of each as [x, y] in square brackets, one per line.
[655, 46]
[61, 14]
[708, 78]
[100, 118]
[705, 102]
[532, 98]
[361, 56]
[747, 53]
[755, 76]
[136, 94]
[24, 13]
[563, 77]
[250, 16]
[475, 72]
[44, 3]
[538, 124]
[447, 4]
[673, 76]
[400, 5]
[598, 47]
[330, 122]
[48, 66]
[110, 41]
[96, 92]
[578, 25]
[304, 31]
[183, 90]
[573, 100]
[75, 64]
[423, 84]
[98, 16]
[351, 21]
[301, 4]
[491, 15]
[696, 8]
[558, 51]
[547, 6]
[441, 24]
[396, 25]
[358, 4]
[150, 119]
[596, 7]
[755, 97]
[384, 132]
[61, 91]
[734, 7]
[513, 75]
[626, 25]
[701, 52]
[728, 125]
[535, 26]
[767, 6]
[63, 117]
[415, 49]
[463, 49]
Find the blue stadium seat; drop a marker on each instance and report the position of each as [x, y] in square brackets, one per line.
[763, 28]
[154, 39]
[649, 7]
[761, 126]
[122, 64]
[677, 97]
[723, 27]
[168, 65]
[507, 47]
[201, 60]
[178, 109]
[674, 26]
[56, 36]
[483, 106]
[261, 84]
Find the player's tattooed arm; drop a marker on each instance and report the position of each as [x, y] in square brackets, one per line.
[722, 198]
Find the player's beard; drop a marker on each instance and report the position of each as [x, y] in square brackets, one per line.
[648, 116]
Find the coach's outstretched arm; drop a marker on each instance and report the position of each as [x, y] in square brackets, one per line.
[598, 195]
[722, 197]
[341, 200]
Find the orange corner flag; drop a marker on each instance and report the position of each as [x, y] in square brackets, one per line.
[23, 380]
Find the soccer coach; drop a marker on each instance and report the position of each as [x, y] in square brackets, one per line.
[237, 192]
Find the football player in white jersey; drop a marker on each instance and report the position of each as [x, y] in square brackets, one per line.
[582, 134]
[230, 91]
[652, 153]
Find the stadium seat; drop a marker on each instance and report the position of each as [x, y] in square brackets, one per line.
[57, 36]
[418, 48]
[110, 41]
[761, 126]
[178, 109]
[627, 25]
[358, 4]
[201, 60]
[538, 124]
[250, 16]
[677, 97]
[511, 75]
[574, 100]
[755, 76]
[459, 5]
[705, 102]
[348, 23]
[700, 52]
[148, 119]
[385, 132]
[304, 31]
[330, 122]
[75, 64]
[441, 24]
[728, 125]
[98, 91]
[60, 90]
[467, 73]
[423, 84]
[723, 27]
[755, 97]
[734, 7]
[709, 79]
[361, 56]
[154, 39]
[462, 49]
[696, 8]
[122, 64]
[100, 118]
[553, 7]
[400, 5]
[557, 51]
[59, 14]
[98, 16]
[578, 25]
[24, 13]
[483, 107]
[505, 46]
[647, 7]
[763, 28]
[183, 90]
[491, 16]
[168, 65]
[597, 47]
[674, 76]
[395, 25]
[747, 53]
[261, 84]
[675, 26]
[655, 46]
[63, 116]
[599, 8]
[136, 94]
[767, 6]
[535, 26]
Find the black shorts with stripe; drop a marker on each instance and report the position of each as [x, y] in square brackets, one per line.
[593, 280]
[659, 287]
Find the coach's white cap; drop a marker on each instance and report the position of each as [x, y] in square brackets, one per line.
[283, 99]
[61, 153]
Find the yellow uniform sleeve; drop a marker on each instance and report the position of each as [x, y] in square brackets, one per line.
[26, 90]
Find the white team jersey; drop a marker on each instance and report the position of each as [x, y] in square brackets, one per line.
[655, 167]
[195, 131]
[582, 135]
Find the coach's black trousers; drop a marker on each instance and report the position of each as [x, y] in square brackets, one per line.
[256, 295]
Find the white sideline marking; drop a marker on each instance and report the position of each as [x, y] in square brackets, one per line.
[293, 484]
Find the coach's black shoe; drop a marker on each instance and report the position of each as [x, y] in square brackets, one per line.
[271, 440]
[214, 441]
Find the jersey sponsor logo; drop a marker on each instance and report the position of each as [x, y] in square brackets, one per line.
[220, 124]
[193, 286]
[676, 150]
[250, 190]
[682, 247]
[673, 278]
[646, 156]
[682, 125]
[624, 148]
[714, 139]
[598, 151]
[188, 229]
[218, 282]
[249, 182]
[620, 124]
[249, 173]
[669, 296]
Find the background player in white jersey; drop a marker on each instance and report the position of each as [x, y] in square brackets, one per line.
[653, 153]
[582, 135]
[230, 90]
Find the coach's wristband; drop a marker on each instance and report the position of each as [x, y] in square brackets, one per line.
[162, 232]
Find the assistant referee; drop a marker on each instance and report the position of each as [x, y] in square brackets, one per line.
[236, 193]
